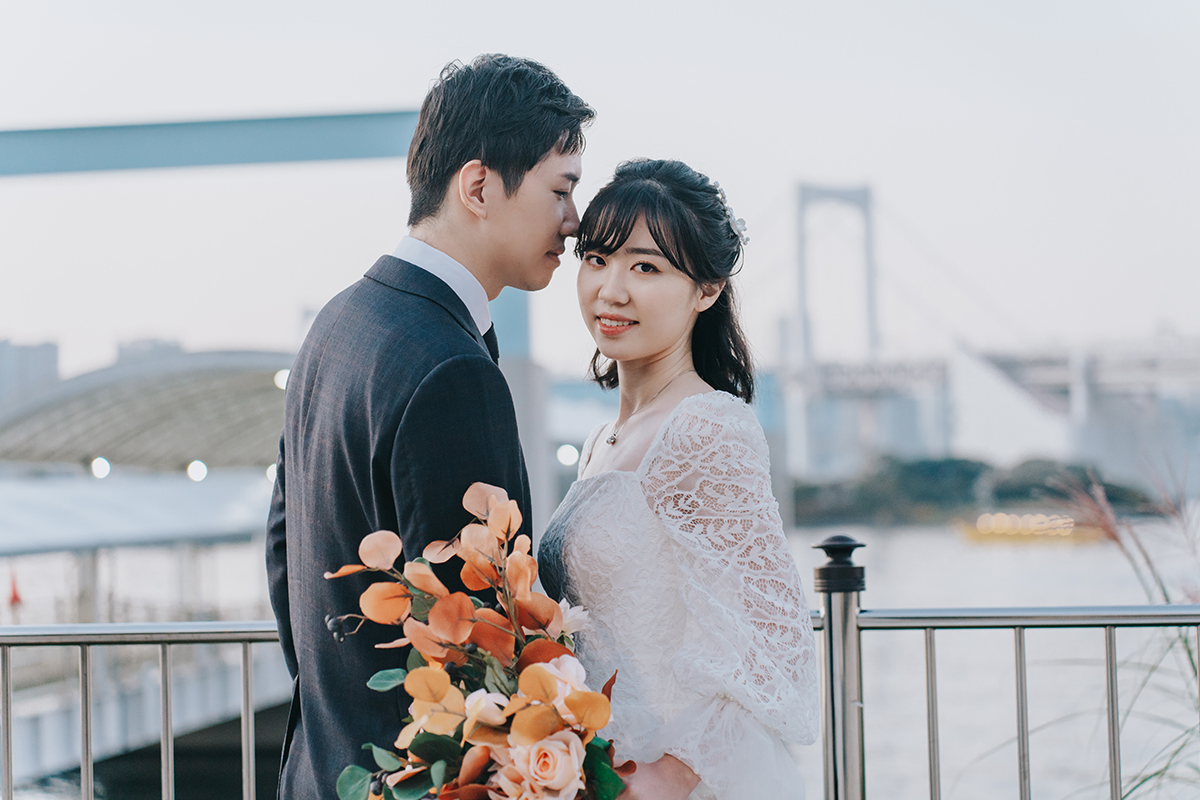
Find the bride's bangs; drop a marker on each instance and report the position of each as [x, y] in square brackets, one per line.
[614, 213]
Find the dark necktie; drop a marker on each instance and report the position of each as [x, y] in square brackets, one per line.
[489, 338]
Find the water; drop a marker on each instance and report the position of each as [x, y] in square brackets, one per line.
[937, 567]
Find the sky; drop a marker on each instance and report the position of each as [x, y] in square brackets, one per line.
[1035, 165]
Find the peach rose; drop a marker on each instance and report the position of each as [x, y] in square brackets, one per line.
[555, 765]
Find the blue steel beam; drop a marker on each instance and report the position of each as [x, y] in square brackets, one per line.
[209, 143]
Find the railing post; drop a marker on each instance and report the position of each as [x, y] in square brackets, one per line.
[839, 581]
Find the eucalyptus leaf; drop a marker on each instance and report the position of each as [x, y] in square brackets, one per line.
[475, 601]
[437, 774]
[387, 679]
[414, 788]
[384, 758]
[421, 603]
[432, 747]
[415, 659]
[354, 783]
[497, 679]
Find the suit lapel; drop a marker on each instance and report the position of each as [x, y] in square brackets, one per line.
[406, 277]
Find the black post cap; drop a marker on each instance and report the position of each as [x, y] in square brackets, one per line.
[840, 574]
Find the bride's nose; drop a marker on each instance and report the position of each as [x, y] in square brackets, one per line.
[612, 286]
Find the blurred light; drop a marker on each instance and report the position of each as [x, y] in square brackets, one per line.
[197, 470]
[101, 467]
[985, 523]
[271, 473]
[568, 455]
[281, 378]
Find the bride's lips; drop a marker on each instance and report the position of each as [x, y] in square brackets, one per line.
[614, 324]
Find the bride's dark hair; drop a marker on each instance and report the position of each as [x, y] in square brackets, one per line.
[687, 219]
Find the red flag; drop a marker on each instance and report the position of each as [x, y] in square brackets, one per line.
[14, 599]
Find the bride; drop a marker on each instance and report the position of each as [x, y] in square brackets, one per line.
[671, 538]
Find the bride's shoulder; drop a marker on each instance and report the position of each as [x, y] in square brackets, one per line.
[716, 408]
[702, 420]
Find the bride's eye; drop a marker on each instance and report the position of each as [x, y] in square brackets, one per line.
[594, 260]
[645, 267]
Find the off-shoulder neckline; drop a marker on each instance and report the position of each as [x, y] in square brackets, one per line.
[590, 445]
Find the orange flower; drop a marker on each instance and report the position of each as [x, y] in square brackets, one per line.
[504, 520]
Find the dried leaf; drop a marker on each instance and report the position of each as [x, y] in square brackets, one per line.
[538, 612]
[385, 602]
[476, 579]
[536, 681]
[423, 639]
[394, 644]
[540, 651]
[608, 685]
[440, 552]
[476, 498]
[452, 618]
[421, 576]
[484, 634]
[591, 709]
[522, 544]
[534, 724]
[486, 734]
[521, 570]
[408, 732]
[379, 550]
[349, 569]
[428, 684]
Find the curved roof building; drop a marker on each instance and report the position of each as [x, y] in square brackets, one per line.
[160, 412]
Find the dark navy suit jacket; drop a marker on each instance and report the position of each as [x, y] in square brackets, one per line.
[394, 407]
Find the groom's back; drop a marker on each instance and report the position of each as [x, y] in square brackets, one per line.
[393, 408]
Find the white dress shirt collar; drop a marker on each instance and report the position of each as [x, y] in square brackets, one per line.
[453, 274]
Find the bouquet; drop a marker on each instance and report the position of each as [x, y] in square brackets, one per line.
[500, 708]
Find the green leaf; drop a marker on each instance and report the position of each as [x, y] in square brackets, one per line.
[437, 774]
[421, 603]
[354, 783]
[414, 788]
[475, 601]
[387, 679]
[497, 679]
[597, 765]
[432, 747]
[415, 659]
[384, 758]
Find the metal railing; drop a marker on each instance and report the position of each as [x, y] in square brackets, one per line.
[164, 636]
[840, 623]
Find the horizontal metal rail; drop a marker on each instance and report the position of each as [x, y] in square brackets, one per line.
[164, 635]
[1067, 617]
[140, 633]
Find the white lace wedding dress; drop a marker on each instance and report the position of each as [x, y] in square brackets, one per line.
[694, 597]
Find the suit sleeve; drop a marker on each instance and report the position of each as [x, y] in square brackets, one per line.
[277, 584]
[459, 427]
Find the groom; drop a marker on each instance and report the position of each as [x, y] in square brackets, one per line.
[395, 403]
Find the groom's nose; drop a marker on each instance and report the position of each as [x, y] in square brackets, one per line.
[570, 224]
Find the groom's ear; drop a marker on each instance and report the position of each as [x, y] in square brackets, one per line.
[469, 183]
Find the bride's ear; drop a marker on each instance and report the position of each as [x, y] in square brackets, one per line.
[709, 293]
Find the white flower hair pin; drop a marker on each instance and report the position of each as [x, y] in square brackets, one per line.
[738, 225]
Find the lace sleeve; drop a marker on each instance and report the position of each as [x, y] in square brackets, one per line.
[750, 648]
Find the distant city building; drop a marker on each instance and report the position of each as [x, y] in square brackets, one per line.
[26, 371]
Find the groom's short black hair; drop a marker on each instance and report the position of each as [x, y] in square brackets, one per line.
[507, 112]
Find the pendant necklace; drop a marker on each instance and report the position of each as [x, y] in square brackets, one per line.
[612, 438]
